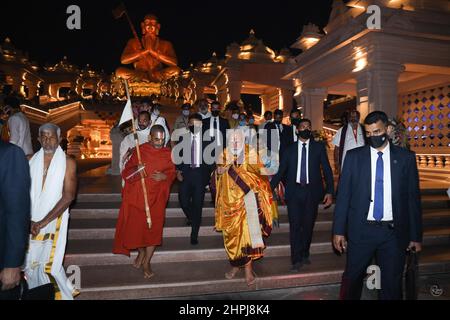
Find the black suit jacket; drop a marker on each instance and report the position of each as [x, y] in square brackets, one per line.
[15, 216]
[223, 127]
[284, 137]
[317, 159]
[185, 166]
[354, 196]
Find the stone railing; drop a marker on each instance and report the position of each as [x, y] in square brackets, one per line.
[431, 161]
[433, 158]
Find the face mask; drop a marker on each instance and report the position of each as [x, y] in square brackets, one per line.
[251, 121]
[186, 113]
[305, 134]
[295, 122]
[235, 116]
[203, 111]
[377, 141]
[156, 112]
[277, 121]
[242, 123]
[215, 113]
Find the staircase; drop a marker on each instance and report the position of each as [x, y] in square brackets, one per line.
[182, 270]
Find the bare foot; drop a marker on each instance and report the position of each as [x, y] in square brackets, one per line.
[148, 273]
[139, 261]
[232, 273]
[250, 277]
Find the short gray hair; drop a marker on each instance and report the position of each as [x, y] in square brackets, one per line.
[50, 126]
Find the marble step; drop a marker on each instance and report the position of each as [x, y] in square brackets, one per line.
[99, 251]
[104, 228]
[181, 279]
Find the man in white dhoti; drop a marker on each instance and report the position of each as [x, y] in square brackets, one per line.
[127, 145]
[53, 188]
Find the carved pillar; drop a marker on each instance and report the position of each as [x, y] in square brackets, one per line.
[311, 101]
[116, 138]
[377, 88]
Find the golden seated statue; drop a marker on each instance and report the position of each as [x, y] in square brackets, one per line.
[155, 62]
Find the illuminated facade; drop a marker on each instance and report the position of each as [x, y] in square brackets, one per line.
[248, 68]
[401, 68]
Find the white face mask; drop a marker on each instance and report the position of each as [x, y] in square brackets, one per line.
[186, 113]
[156, 112]
[235, 116]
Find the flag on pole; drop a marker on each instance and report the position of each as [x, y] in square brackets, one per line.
[119, 11]
[127, 113]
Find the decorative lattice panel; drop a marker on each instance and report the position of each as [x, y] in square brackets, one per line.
[426, 115]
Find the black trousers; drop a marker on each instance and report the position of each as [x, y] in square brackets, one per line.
[379, 242]
[191, 196]
[302, 212]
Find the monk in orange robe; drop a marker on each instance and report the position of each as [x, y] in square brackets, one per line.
[132, 231]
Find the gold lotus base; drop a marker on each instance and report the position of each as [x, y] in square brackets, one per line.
[143, 88]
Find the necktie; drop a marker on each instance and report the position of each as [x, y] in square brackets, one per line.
[379, 190]
[193, 153]
[303, 166]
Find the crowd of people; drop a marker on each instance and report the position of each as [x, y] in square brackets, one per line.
[250, 167]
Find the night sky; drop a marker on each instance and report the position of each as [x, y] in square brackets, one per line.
[196, 28]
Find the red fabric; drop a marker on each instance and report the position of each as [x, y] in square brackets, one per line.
[132, 231]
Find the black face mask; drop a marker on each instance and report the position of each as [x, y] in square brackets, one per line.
[277, 121]
[215, 113]
[377, 141]
[295, 121]
[305, 134]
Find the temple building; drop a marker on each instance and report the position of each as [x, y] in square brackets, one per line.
[57, 93]
[250, 68]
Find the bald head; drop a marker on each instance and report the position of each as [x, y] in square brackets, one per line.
[157, 136]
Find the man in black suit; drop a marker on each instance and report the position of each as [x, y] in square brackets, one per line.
[289, 136]
[15, 216]
[193, 175]
[214, 134]
[276, 127]
[378, 210]
[301, 166]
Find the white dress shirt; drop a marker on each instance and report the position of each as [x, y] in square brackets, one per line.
[350, 141]
[294, 132]
[198, 150]
[19, 128]
[205, 116]
[387, 187]
[299, 162]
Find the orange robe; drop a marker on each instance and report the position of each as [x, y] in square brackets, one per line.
[132, 231]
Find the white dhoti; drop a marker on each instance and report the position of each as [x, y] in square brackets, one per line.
[44, 260]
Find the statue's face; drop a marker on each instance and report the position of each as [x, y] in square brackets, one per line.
[150, 27]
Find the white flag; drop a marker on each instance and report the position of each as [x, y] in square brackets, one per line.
[127, 113]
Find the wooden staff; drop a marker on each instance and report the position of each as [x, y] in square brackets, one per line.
[138, 151]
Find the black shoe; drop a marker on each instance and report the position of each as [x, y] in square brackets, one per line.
[194, 241]
[306, 261]
[296, 267]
